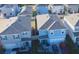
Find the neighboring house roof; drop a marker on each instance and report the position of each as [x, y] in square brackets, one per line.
[48, 23]
[76, 33]
[5, 23]
[22, 24]
[73, 7]
[10, 5]
[73, 19]
[28, 10]
[42, 9]
[41, 19]
[58, 4]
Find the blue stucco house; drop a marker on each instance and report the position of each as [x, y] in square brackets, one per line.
[42, 9]
[56, 33]
[53, 31]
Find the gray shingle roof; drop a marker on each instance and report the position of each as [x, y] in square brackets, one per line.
[28, 10]
[48, 23]
[57, 25]
[58, 4]
[9, 5]
[22, 24]
[73, 6]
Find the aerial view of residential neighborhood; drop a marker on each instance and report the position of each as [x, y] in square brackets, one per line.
[39, 28]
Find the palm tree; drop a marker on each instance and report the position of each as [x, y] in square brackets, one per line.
[34, 15]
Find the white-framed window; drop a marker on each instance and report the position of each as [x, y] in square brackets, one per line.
[16, 37]
[0, 38]
[52, 33]
[25, 33]
[62, 32]
[4, 38]
[5, 14]
[10, 13]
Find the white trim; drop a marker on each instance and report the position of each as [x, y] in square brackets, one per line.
[72, 27]
[51, 25]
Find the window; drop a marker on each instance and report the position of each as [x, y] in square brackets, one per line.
[61, 11]
[10, 13]
[25, 33]
[4, 38]
[78, 10]
[44, 41]
[77, 41]
[27, 43]
[23, 39]
[0, 10]
[62, 32]
[16, 36]
[0, 38]
[51, 33]
[54, 13]
[4, 14]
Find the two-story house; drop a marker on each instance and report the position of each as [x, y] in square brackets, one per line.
[72, 8]
[16, 32]
[71, 22]
[57, 9]
[52, 31]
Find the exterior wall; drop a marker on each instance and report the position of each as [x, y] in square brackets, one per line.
[77, 40]
[12, 41]
[57, 9]
[58, 33]
[56, 41]
[71, 32]
[72, 9]
[26, 34]
[77, 28]
[24, 43]
[71, 35]
[56, 36]
[43, 32]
